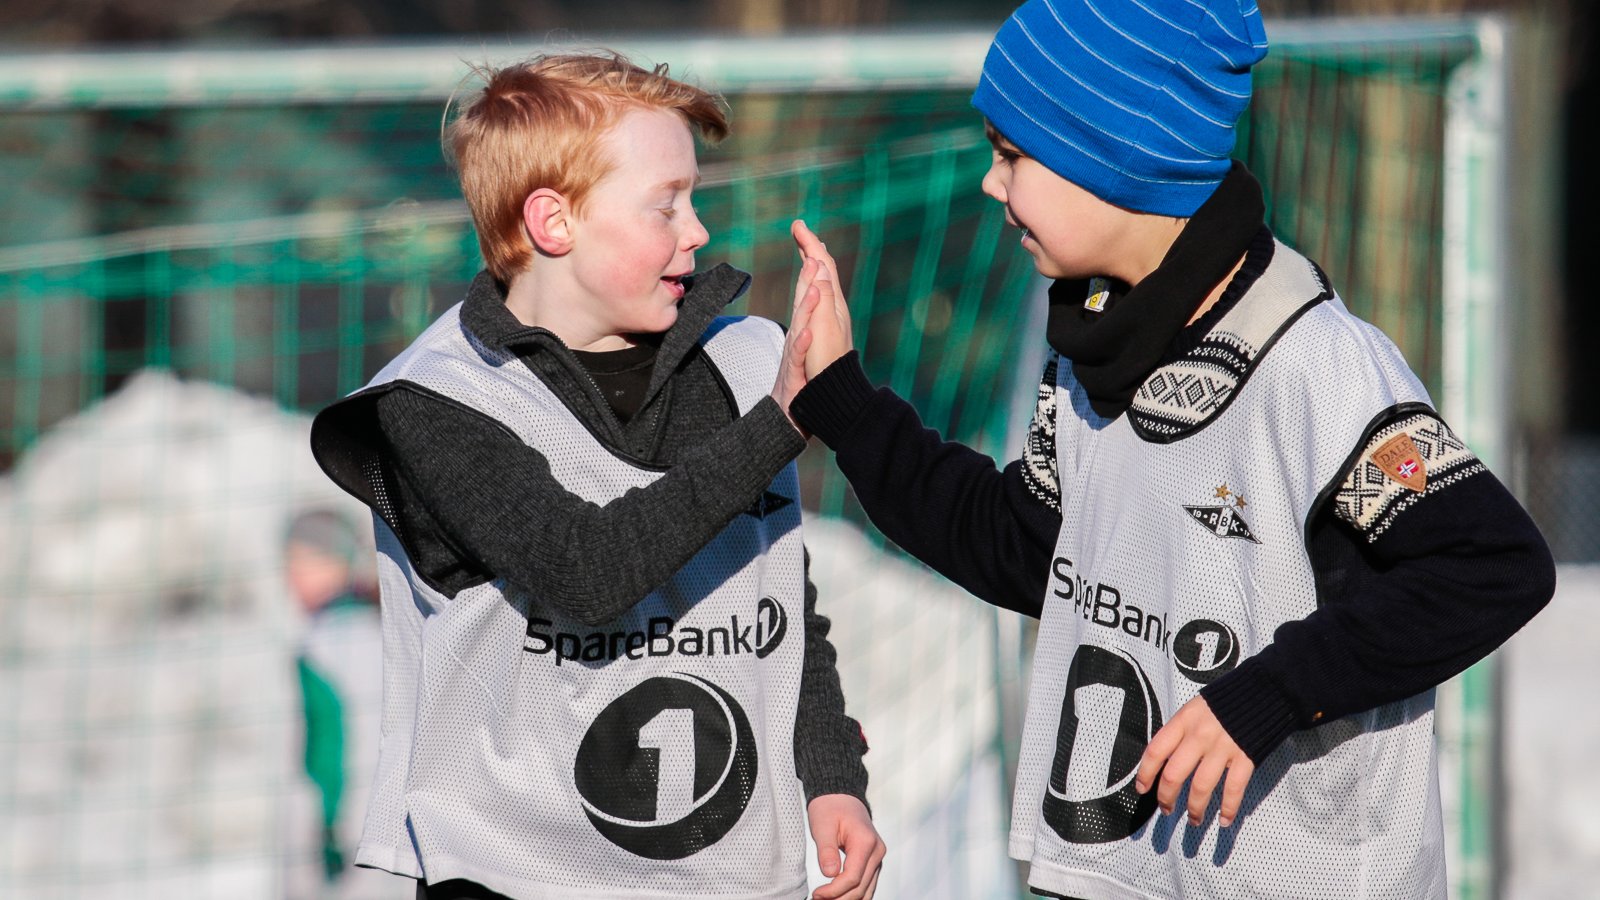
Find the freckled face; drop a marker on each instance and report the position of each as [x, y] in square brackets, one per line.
[635, 237]
[1069, 232]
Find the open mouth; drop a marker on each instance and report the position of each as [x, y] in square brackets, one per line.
[1012, 221]
[674, 283]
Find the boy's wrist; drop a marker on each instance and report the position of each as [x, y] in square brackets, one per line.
[831, 402]
[842, 784]
[1254, 709]
[784, 443]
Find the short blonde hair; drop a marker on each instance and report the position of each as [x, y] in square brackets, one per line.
[538, 124]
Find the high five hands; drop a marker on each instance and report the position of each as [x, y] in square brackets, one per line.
[819, 325]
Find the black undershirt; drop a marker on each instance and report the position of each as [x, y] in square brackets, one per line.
[621, 375]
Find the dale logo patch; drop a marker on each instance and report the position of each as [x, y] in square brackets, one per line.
[1226, 519]
[1399, 459]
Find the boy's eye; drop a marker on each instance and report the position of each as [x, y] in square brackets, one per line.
[671, 210]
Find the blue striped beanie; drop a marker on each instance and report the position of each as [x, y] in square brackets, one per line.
[1133, 100]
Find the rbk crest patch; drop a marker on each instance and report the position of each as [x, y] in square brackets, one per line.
[1226, 519]
[1399, 459]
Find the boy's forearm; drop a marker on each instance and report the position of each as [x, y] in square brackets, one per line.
[828, 744]
[498, 501]
[1449, 581]
[941, 501]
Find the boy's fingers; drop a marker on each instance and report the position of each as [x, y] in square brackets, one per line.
[1155, 755]
[1180, 765]
[804, 308]
[855, 867]
[808, 271]
[827, 861]
[1206, 777]
[872, 885]
[1238, 779]
[825, 833]
[874, 868]
[806, 239]
[812, 246]
[859, 841]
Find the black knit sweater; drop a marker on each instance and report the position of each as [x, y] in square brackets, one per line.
[1440, 588]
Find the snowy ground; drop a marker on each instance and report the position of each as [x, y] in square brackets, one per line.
[1552, 736]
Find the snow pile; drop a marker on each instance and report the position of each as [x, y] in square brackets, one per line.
[149, 735]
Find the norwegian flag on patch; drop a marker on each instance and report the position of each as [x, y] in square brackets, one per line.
[1399, 459]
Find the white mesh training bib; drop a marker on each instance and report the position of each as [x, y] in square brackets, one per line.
[1182, 548]
[648, 757]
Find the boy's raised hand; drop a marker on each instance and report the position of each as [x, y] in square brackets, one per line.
[1194, 742]
[830, 323]
[841, 822]
[792, 374]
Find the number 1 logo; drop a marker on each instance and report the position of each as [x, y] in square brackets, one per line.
[667, 768]
[1108, 716]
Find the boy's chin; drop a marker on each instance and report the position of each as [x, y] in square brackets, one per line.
[1049, 269]
[1055, 271]
[661, 323]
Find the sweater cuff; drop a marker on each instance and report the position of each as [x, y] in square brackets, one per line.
[838, 772]
[772, 439]
[1253, 709]
[831, 402]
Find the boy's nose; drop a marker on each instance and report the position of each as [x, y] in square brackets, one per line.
[695, 235]
[993, 185]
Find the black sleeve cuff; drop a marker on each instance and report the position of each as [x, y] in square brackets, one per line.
[1253, 709]
[831, 402]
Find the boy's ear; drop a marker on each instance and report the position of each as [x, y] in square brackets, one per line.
[547, 216]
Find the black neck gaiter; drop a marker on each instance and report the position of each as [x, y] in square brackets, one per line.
[1114, 351]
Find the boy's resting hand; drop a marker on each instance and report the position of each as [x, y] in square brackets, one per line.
[841, 822]
[830, 325]
[792, 373]
[1195, 742]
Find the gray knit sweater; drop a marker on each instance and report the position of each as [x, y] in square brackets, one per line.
[473, 503]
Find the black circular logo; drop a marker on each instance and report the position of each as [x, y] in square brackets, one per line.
[668, 768]
[1204, 650]
[772, 623]
[1108, 716]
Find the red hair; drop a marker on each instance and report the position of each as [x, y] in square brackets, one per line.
[538, 124]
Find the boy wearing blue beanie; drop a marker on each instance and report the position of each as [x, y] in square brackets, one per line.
[1254, 547]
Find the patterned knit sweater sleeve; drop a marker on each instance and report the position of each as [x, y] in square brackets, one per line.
[1425, 563]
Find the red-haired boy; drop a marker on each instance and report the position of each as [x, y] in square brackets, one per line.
[605, 674]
